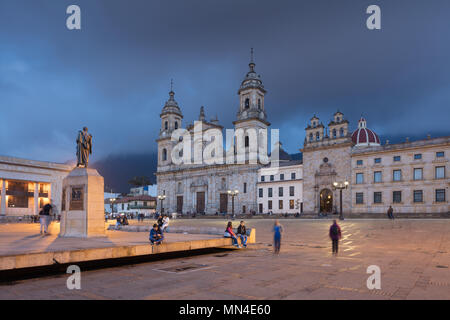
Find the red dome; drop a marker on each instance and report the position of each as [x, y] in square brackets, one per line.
[363, 136]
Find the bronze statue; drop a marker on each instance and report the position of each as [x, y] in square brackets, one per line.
[84, 147]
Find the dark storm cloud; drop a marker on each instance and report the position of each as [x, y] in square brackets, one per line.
[314, 57]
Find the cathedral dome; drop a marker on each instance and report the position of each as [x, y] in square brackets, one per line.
[171, 105]
[363, 136]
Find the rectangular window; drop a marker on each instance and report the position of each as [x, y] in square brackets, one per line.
[291, 191]
[377, 197]
[440, 154]
[293, 176]
[418, 173]
[280, 191]
[280, 204]
[440, 195]
[397, 175]
[281, 176]
[359, 162]
[271, 178]
[270, 193]
[440, 172]
[418, 196]
[397, 158]
[417, 156]
[291, 204]
[245, 187]
[377, 160]
[359, 178]
[377, 176]
[260, 192]
[262, 178]
[397, 196]
[359, 198]
[269, 204]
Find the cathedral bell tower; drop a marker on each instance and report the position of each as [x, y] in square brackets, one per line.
[171, 118]
[252, 114]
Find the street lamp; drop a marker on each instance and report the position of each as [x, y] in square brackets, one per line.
[112, 205]
[162, 197]
[340, 186]
[233, 193]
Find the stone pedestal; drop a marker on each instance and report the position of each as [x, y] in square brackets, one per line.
[83, 209]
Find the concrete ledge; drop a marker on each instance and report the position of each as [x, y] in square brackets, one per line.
[30, 260]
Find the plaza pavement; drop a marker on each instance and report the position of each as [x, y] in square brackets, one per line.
[414, 257]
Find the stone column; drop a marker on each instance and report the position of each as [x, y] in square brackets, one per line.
[3, 208]
[36, 198]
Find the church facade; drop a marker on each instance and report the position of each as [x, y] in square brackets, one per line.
[204, 188]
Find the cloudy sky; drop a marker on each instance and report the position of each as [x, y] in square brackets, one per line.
[314, 57]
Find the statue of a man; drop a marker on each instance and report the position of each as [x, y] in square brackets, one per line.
[84, 147]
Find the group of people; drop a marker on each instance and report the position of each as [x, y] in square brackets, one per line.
[121, 220]
[156, 235]
[241, 234]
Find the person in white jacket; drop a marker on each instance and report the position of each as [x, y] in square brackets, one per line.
[165, 225]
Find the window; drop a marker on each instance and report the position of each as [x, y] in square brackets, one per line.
[247, 141]
[166, 125]
[164, 155]
[440, 195]
[341, 132]
[311, 137]
[417, 156]
[377, 176]
[176, 124]
[269, 193]
[334, 133]
[269, 204]
[271, 178]
[317, 136]
[377, 197]
[293, 176]
[397, 196]
[291, 191]
[359, 162]
[247, 103]
[397, 158]
[397, 175]
[418, 173]
[259, 104]
[377, 160]
[440, 154]
[280, 204]
[245, 187]
[418, 196]
[291, 204]
[280, 191]
[262, 178]
[359, 198]
[145, 203]
[281, 176]
[440, 172]
[338, 119]
[260, 190]
[359, 178]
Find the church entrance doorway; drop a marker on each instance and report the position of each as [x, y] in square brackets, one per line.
[200, 202]
[326, 201]
[179, 204]
[223, 203]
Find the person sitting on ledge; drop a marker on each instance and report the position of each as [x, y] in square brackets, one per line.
[242, 233]
[156, 235]
[230, 234]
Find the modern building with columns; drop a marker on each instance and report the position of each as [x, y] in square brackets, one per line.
[27, 185]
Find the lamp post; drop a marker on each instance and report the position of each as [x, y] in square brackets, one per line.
[233, 193]
[112, 205]
[340, 186]
[161, 198]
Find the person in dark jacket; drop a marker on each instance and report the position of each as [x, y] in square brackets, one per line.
[242, 234]
[390, 213]
[335, 235]
[156, 236]
[45, 217]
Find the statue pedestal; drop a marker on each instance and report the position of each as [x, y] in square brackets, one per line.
[83, 209]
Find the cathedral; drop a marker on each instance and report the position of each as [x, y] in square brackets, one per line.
[202, 188]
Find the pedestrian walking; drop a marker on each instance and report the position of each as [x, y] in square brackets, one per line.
[335, 235]
[45, 217]
[277, 230]
[390, 213]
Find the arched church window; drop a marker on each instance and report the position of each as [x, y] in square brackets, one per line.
[334, 133]
[310, 137]
[247, 103]
[259, 104]
[317, 136]
[166, 125]
[176, 125]
[314, 124]
[247, 141]
[341, 132]
[164, 155]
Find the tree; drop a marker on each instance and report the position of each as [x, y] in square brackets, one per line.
[139, 181]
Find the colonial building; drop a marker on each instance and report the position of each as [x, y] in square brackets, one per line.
[280, 188]
[27, 185]
[410, 176]
[200, 187]
[134, 205]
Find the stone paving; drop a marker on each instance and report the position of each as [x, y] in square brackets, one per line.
[414, 257]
